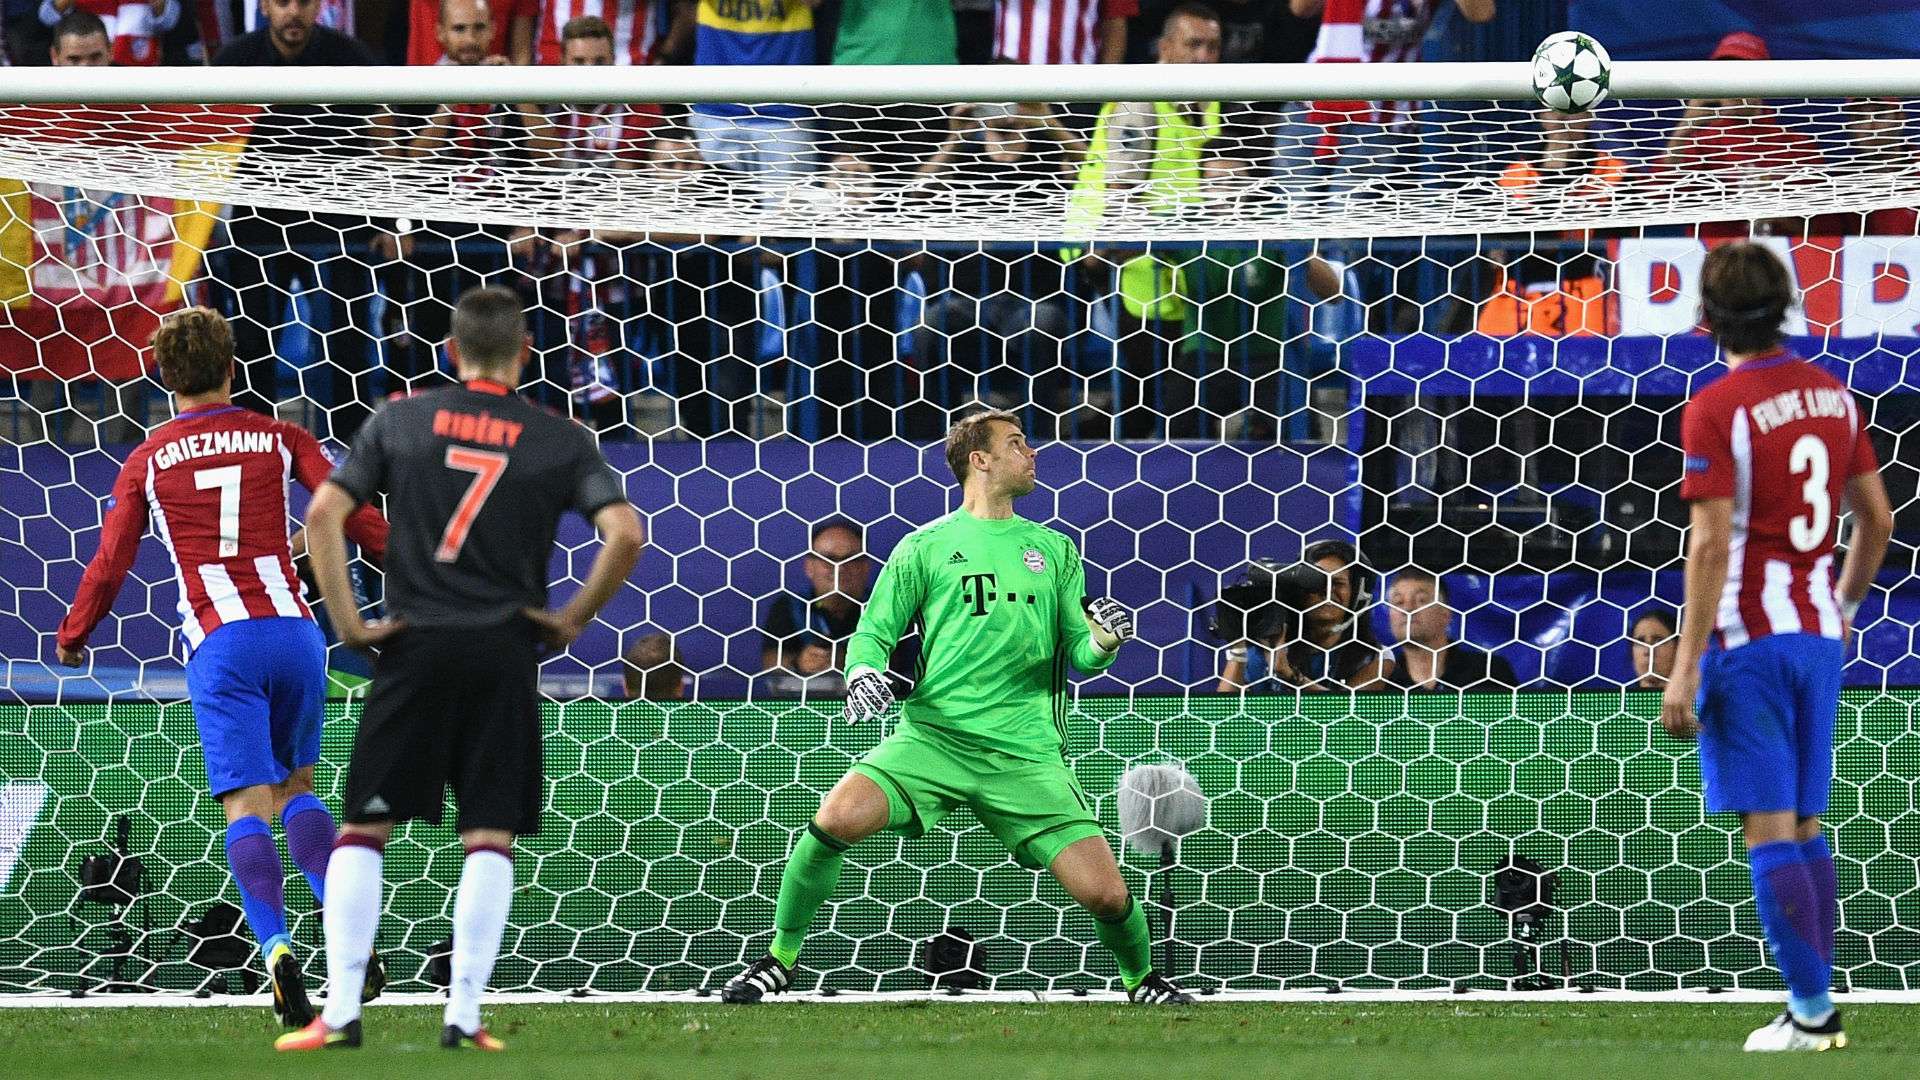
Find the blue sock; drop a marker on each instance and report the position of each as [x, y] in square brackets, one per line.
[310, 835]
[1791, 911]
[262, 881]
[1819, 859]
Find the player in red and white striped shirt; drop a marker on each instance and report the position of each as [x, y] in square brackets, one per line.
[1062, 31]
[1775, 451]
[1782, 444]
[213, 483]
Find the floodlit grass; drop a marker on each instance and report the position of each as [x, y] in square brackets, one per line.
[1426, 1040]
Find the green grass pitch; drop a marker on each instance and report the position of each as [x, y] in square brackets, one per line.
[1312, 1041]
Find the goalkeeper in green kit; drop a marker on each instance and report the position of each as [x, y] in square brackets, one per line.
[1002, 610]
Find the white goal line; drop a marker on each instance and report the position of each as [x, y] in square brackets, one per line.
[996, 997]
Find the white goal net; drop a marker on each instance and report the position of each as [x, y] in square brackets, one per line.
[1412, 330]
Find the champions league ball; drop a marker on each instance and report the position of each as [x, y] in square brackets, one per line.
[1571, 72]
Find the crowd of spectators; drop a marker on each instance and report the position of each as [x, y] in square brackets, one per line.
[1107, 341]
[1328, 645]
[377, 292]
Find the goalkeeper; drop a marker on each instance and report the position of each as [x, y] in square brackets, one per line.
[1000, 604]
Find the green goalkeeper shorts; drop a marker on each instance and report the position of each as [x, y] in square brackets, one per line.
[1035, 808]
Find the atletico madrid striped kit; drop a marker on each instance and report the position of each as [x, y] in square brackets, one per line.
[214, 485]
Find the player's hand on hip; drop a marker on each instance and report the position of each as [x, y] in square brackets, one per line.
[71, 657]
[868, 695]
[374, 634]
[555, 629]
[1676, 707]
[1110, 619]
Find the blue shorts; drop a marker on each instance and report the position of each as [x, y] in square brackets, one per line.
[259, 690]
[1767, 711]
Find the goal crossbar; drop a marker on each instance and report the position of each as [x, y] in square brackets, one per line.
[886, 84]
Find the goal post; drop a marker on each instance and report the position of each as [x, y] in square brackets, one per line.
[1396, 322]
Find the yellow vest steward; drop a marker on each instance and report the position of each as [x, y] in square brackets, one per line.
[1175, 169]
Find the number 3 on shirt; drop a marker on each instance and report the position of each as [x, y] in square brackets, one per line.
[1807, 530]
[486, 467]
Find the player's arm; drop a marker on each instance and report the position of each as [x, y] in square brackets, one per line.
[327, 552]
[1872, 521]
[1091, 629]
[364, 526]
[120, 532]
[1709, 535]
[621, 539]
[896, 599]
[334, 501]
[1708, 484]
[600, 497]
[1867, 546]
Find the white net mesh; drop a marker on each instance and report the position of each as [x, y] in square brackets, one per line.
[1017, 171]
[1448, 340]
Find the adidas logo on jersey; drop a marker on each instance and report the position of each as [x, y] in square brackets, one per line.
[376, 805]
[957, 558]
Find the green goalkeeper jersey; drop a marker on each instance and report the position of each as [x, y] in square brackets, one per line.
[999, 609]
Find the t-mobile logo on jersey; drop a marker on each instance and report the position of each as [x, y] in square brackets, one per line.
[978, 591]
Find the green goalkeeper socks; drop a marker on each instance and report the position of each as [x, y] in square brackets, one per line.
[813, 870]
[1127, 938]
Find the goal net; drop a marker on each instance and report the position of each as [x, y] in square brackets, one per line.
[1401, 326]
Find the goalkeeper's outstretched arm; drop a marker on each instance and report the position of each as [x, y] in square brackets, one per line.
[889, 610]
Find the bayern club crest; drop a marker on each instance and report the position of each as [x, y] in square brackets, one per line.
[1035, 561]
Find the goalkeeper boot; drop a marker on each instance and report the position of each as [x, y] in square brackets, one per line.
[376, 979]
[453, 1038]
[1156, 989]
[1787, 1034]
[318, 1036]
[764, 976]
[289, 987]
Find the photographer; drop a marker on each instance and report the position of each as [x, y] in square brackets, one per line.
[1300, 627]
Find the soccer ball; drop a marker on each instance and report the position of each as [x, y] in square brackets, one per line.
[1571, 72]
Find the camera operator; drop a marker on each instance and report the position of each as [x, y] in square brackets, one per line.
[1300, 627]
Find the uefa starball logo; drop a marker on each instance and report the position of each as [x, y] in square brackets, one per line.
[1035, 561]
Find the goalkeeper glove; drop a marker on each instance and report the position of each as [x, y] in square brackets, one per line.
[1112, 622]
[868, 695]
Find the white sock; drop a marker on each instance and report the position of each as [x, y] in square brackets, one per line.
[352, 917]
[479, 918]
